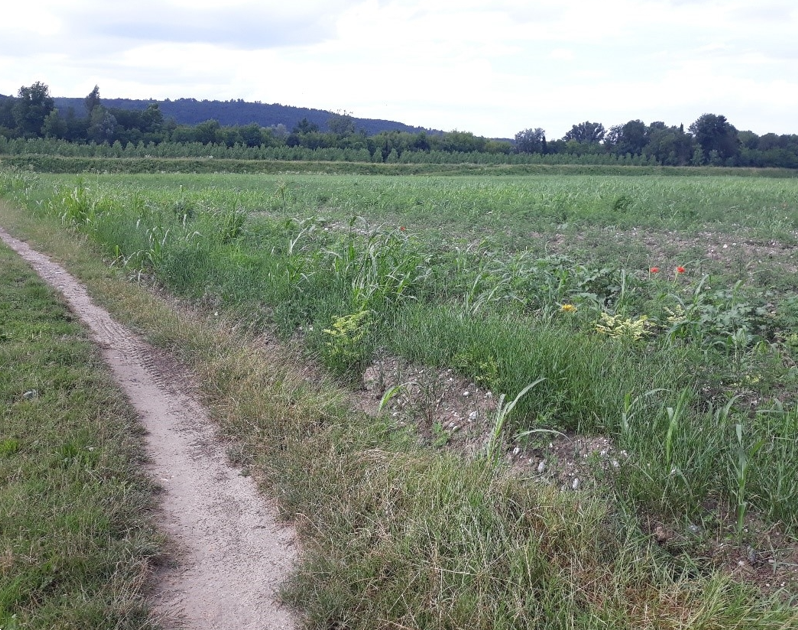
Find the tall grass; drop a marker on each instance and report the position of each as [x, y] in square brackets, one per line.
[496, 312]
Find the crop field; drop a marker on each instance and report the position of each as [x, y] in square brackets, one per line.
[656, 316]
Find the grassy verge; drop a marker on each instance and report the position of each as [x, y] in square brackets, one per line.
[400, 535]
[75, 542]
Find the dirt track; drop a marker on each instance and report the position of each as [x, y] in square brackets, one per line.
[230, 553]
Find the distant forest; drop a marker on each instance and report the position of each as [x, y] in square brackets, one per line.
[34, 121]
[239, 113]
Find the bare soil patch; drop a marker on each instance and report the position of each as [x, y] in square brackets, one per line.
[230, 554]
[450, 410]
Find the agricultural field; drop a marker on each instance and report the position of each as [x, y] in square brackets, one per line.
[577, 386]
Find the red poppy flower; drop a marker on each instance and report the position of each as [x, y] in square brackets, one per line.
[679, 269]
[654, 270]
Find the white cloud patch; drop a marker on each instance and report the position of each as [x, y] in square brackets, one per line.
[491, 68]
[563, 54]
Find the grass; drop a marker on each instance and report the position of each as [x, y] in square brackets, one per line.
[495, 312]
[398, 534]
[75, 540]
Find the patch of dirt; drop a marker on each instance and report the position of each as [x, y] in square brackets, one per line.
[449, 410]
[231, 554]
[762, 556]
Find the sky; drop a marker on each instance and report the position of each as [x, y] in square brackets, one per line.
[491, 67]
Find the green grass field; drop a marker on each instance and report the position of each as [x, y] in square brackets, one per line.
[75, 543]
[659, 311]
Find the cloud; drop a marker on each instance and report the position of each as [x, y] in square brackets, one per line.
[107, 26]
[492, 68]
[563, 54]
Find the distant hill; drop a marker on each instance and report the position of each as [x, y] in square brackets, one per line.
[190, 111]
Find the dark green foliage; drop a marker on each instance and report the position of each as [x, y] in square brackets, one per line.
[31, 108]
[137, 131]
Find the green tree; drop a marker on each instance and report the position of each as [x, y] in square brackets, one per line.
[715, 133]
[208, 132]
[698, 158]
[341, 124]
[530, 141]
[92, 100]
[152, 119]
[669, 146]
[55, 126]
[102, 125]
[304, 126]
[420, 142]
[461, 141]
[7, 122]
[251, 135]
[31, 108]
[586, 133]
[629, 138]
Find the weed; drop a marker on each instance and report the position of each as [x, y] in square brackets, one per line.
[741, 464]
[618, 328]
[502, 413]
[78, 208]
[343, 348]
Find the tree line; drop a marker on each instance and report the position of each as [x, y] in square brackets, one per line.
[710, 140]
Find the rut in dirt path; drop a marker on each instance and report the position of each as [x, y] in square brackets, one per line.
[231, 553]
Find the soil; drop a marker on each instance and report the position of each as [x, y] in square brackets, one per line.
[229, 554]
[449, 410]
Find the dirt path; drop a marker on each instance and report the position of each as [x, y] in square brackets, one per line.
[231, 554]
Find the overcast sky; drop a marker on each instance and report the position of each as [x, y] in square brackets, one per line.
[490, 67]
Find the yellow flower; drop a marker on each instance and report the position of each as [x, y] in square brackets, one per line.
[568, 308]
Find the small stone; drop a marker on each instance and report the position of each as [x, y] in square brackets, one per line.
[466, 393]
[472, 416]
[542, 467]
[516, 450]
[575, 483]
[615, 463]
[31, 394]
